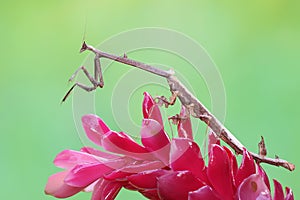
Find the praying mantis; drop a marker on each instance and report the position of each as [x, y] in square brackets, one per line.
[195, 108]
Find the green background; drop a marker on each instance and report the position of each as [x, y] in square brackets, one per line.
[255, 46]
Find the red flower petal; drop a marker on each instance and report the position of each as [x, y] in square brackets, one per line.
[150, 109]
[205, 192]
[184, 126]
[153, 135]
[69, 158]
[146, 179]
[57, 188]
[90, 187]
[246, 169]
[186, 155]
[253, 187]
[148, 102]
[278, 191]
[233, 164]
[155, 139]
[150, 194]
[212, 139]
[121, 143]
[203, 177]
[289, 194]
[85, 174]
[94, 127]
[117, 174]
[99, 154]
[233, 161]
[134, 168]
[120, 173]
[107, 190]
[263, 174]
[177, 185]
[219, 172]
[128, 186]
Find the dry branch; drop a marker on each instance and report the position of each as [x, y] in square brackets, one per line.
[195, 107]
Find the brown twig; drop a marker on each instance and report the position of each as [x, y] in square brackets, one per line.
[194, 106]
[262, 150]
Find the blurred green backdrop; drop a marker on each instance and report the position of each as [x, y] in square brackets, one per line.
[255, 46]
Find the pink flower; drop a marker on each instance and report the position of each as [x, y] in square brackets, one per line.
[160, 168]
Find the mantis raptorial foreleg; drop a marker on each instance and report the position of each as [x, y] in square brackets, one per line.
[97, 80]
[88, 75]
[162, 100]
